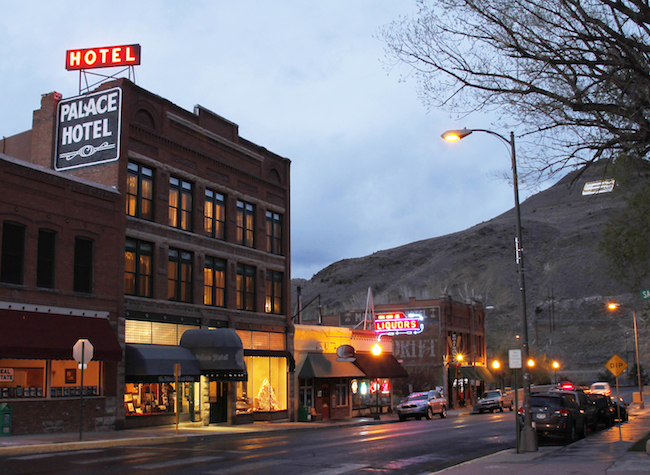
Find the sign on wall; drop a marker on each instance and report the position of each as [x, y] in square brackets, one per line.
[399, 323]
[6, 375]
[102, 57]
[88, 129]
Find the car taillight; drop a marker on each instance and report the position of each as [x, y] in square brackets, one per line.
[563, 412]
[521, 411]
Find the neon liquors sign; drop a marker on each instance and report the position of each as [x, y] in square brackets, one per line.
[88, 129]
[398, 323]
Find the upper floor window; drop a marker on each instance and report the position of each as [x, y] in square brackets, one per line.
[83, 265]
[139, 191]
[274, 232]
[214, 214]
[214, 282]
[274, 284]
[12, 263]
[45, 258]
[245, 224]
[245, 287]
[180, 203]
[138, 268]
[179, 275]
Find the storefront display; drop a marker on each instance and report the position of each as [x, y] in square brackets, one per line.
[31, 379]
[266, 388]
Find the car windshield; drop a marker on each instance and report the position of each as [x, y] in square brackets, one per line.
[599, 386]
[550, 402]
[417, 397]
[492, 394]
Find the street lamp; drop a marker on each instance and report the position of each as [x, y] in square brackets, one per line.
[556, 366]
[528, 434]
[614, 306]
[495, 366]
[376, 350]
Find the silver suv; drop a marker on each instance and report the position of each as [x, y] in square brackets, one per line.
[422, 404]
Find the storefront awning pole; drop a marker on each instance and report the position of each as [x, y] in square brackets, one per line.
[177, 372]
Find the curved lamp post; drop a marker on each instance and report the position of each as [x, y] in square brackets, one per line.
[615, 306]
[528, 434]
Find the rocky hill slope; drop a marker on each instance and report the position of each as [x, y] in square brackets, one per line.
[567, 281]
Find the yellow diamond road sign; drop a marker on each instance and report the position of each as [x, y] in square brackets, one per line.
[616, 365]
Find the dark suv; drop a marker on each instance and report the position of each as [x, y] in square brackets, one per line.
[557, 413]
[605, 408]
[586, 405]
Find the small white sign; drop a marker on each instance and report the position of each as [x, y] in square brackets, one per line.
[6, 375]
[514, 357]
[595, 187]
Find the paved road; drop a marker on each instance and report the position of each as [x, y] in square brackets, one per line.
[410, 447]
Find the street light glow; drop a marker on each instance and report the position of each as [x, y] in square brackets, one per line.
[376, 349]
[556, 365]
[531, 363]
[455, 135]
[496, 364]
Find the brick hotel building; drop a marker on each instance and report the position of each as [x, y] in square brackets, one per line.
[160, 235]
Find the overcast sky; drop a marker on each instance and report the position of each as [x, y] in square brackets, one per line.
[303, 78]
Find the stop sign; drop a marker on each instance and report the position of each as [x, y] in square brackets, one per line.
[83, 351]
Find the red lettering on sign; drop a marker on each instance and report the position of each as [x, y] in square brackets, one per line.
[102, 57]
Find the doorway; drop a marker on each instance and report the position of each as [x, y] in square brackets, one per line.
[218, 401]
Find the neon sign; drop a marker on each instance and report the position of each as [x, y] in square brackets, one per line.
[102, 57]
[399, 323]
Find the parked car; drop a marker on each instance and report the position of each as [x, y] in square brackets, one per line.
[605, 407]
[622, 406]
[494, 400]
[556, 413]
[587, 406]
[601, 387]
[422, 404]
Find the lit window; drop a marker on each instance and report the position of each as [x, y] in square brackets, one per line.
[274, 282]
[245, 224]
[180, 204]
[214, 214]
[138, 268]
[214, 282]
[139, 191]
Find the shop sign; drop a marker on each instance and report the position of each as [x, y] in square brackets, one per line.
[102, 57]
[6, 375]
[399, 323]
[88, 129]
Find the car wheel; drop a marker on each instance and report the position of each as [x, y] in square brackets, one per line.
[570, 436]
[583, 433]
[510, 408]
[480, 411]
[401, 417]
[501, 408]
[429, 413]
[443, 413]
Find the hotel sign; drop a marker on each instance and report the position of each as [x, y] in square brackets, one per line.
[102, 57]
[88, 129]
[399, 323]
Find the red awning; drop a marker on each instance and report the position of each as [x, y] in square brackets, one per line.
[49, 336]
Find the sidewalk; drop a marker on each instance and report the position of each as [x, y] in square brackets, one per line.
[603, 453]
[600, 453]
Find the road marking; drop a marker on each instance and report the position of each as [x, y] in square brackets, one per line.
[341, 469]
[54, 454]
[248, 467]
[177, 462]
[401, 463]
[115, 458]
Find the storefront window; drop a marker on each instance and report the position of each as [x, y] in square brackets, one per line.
[307, 392]
[266, 388]
[156, 398]
[32, 378]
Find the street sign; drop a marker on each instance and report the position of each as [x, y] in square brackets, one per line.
[616, 365]
[83, 352]
[514, 359]
[645, 294]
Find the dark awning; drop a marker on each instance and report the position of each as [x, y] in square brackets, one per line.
[477, 373]
[155, 364]
[382, 366]
[318, 365]
[219, 352]
[50, 336]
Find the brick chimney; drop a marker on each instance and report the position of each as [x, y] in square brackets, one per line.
[44, 130]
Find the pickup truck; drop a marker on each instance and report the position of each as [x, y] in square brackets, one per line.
[494, 399]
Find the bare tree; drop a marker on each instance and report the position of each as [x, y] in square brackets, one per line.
[573, 75]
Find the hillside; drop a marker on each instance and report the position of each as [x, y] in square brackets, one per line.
[561, 235]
